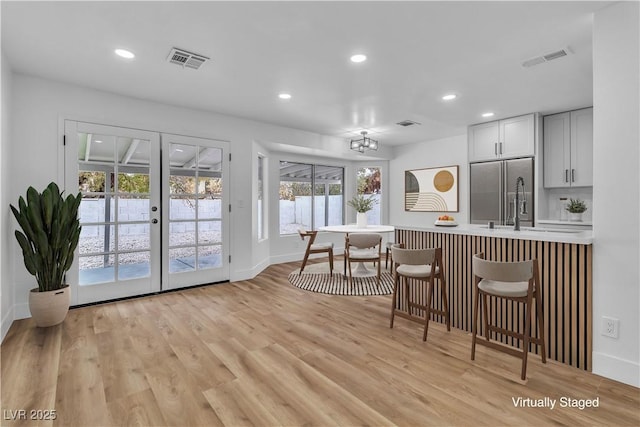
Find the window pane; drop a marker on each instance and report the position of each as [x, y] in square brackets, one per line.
[97, 238]
[295, 196]
[182, 233]
[96, 269]
[328, 195]
[209, 257]
[182, 259]
[96, 208]
[133, 237]
[369, 184]
[134, 265]
[209, 232]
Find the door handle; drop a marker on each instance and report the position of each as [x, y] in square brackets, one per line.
[495, 148]
[500, 148]
[154, 221]
[573, 175]
[566, 175]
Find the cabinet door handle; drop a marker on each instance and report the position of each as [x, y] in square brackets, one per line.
[573, 175]
[566, 175]
[500, 148]
[495, 148]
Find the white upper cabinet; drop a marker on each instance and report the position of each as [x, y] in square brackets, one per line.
[502, 139]
[568, 149]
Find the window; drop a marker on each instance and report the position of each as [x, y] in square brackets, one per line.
[262, 226]
[369, 184]
[311, 196]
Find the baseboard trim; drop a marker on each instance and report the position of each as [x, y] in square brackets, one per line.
[250, 273]
[625, 371]
[21, 311]
[7, 321]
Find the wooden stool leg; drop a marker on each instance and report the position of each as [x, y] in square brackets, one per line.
[527, 336]
[538, 297]
[543, 348]
[485, 314]
[428, 309]
[406, 293]
[304, 261]
[378, 276]
[445, 301]
[331, 260]
[475, 321]
[394, 299]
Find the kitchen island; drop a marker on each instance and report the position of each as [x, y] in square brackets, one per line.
[564, 257]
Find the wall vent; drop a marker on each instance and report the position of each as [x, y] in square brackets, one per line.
[546, 58]
[185, 58]
[406, 123]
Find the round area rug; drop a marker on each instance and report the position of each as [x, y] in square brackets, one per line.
[316, 278]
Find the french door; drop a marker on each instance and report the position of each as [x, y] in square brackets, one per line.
[144, 230]
[195, 201]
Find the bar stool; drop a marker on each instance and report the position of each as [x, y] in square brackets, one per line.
[424, 265]
[388, 254]
[513, 281]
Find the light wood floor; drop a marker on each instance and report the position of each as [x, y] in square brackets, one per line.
[262, 352]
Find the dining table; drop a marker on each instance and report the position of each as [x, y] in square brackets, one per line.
[361, 269]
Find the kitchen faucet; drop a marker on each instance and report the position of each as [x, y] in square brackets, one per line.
[519, 207]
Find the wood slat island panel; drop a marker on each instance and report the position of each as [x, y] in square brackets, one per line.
[566, 283]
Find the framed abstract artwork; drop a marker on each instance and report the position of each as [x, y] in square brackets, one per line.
[431, 190]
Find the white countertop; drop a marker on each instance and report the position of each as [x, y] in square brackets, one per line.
[566, 223]
[353, 228]
[583, 237]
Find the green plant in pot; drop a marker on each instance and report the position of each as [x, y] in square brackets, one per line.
[362, 204]
[576, 208]
[49, 237]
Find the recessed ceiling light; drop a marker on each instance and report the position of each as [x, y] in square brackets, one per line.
[449, 97]
[97, 141]
[179, 150]
[487, 114]
[359, 58]
[125, 53]
[284, 96]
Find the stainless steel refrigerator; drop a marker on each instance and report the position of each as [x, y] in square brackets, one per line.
[493, 190]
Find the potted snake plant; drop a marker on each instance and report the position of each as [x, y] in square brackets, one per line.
[49, 237]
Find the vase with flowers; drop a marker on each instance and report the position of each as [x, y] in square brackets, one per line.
[362, 204]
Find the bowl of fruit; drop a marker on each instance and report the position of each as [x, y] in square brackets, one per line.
[446, 221]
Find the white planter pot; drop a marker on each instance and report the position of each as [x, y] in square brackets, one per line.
[575, 216]
[49, 308]
[361, 220]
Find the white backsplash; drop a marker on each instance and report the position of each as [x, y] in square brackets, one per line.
[556, 207]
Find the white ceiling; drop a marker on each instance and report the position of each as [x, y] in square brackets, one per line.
[418, 51]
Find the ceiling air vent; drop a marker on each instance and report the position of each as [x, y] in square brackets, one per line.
[406, 123]
[186, 59]
[546, 58]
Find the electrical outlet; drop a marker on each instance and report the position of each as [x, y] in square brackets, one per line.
[610, 327]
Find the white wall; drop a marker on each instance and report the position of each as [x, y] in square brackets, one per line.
[441, 152]
[6, 234]
[616, 248]
[40, 105]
